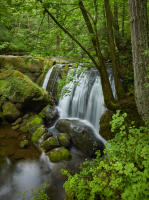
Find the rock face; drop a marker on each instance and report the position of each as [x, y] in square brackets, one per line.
[20, 91]
[82, 136]
[32, 67]
[10, 111]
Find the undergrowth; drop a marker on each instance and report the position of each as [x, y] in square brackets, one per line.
[122, 174]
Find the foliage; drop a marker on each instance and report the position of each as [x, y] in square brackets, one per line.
[37, 194]
[122, 174]
[72, 78]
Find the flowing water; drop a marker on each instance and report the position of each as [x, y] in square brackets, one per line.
[85, 103]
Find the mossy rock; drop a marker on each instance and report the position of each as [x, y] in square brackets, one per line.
[31, 124]
[38, 133]
[59, 154]
[105, 127]
[49, 114]
[24, 144]
[126, 105]
[10, 112]
[50, 143]
[64, 139]
[19, 88]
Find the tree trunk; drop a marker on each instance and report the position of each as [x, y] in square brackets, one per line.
[123, 19]
[118, 85]
[139, 37]
[116, 26]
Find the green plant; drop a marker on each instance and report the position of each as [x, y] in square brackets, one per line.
[37, 194]
[122, 174]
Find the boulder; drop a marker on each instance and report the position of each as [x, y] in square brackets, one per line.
[49, 114]
[82, 136]
[31, 124]
[20, 90]
[64, 139]
[38, 133]
[10, 112]
[32, 67]
[59, 154]
[50, 143]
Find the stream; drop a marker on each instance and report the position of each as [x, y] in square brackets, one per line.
[85, 102]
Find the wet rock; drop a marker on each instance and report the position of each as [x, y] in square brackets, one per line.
[47, 135]
[59, 154]
[82, 136]
[24, 144]
[10, 111]
[64, 139]
[49, 114]
[18, 121]
[50, 143]
[38, 133]
[20, 90]
[31, 124]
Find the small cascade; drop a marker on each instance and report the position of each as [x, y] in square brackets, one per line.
[86, 99]
[47, 77]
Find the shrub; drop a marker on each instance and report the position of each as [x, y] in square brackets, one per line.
[122, 174]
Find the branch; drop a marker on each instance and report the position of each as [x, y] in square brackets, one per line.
[89, 26]
[69, 34]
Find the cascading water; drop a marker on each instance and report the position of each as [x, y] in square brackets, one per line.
[86, 99]
[45, 83]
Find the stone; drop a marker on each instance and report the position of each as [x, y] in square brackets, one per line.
[82, 136]
[19, 89]
[38, 133]
[49, 114]
[64, 139]
[59, 154]
[10, 112]
[24, 144]
[31, 124]
[47, 135]
[50, 143]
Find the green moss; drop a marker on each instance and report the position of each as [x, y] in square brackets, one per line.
[38, 134]
[64, 139]
[24, 143]
[59, 154]
[50, 143]
[19, 88]
[15, 127]
[10, 111]
[30, 125]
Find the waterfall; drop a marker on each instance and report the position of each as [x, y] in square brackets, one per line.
[47, 77]
[86, 100]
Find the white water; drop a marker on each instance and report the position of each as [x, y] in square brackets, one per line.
[47, 77]
[86, 99]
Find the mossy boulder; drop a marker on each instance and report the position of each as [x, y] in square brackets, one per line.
[38, 133]
[59, 154]
[82, 136]
[49, 114]
[50, 143]
[64, 139]
[24, 144]
[10, 112]
[32, 67]
[126, 105]
[105, 126]
[31, 124]
[19, 89]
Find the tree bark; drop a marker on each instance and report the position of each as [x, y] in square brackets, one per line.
[118, 85]
[139, 37]
[123, 19]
